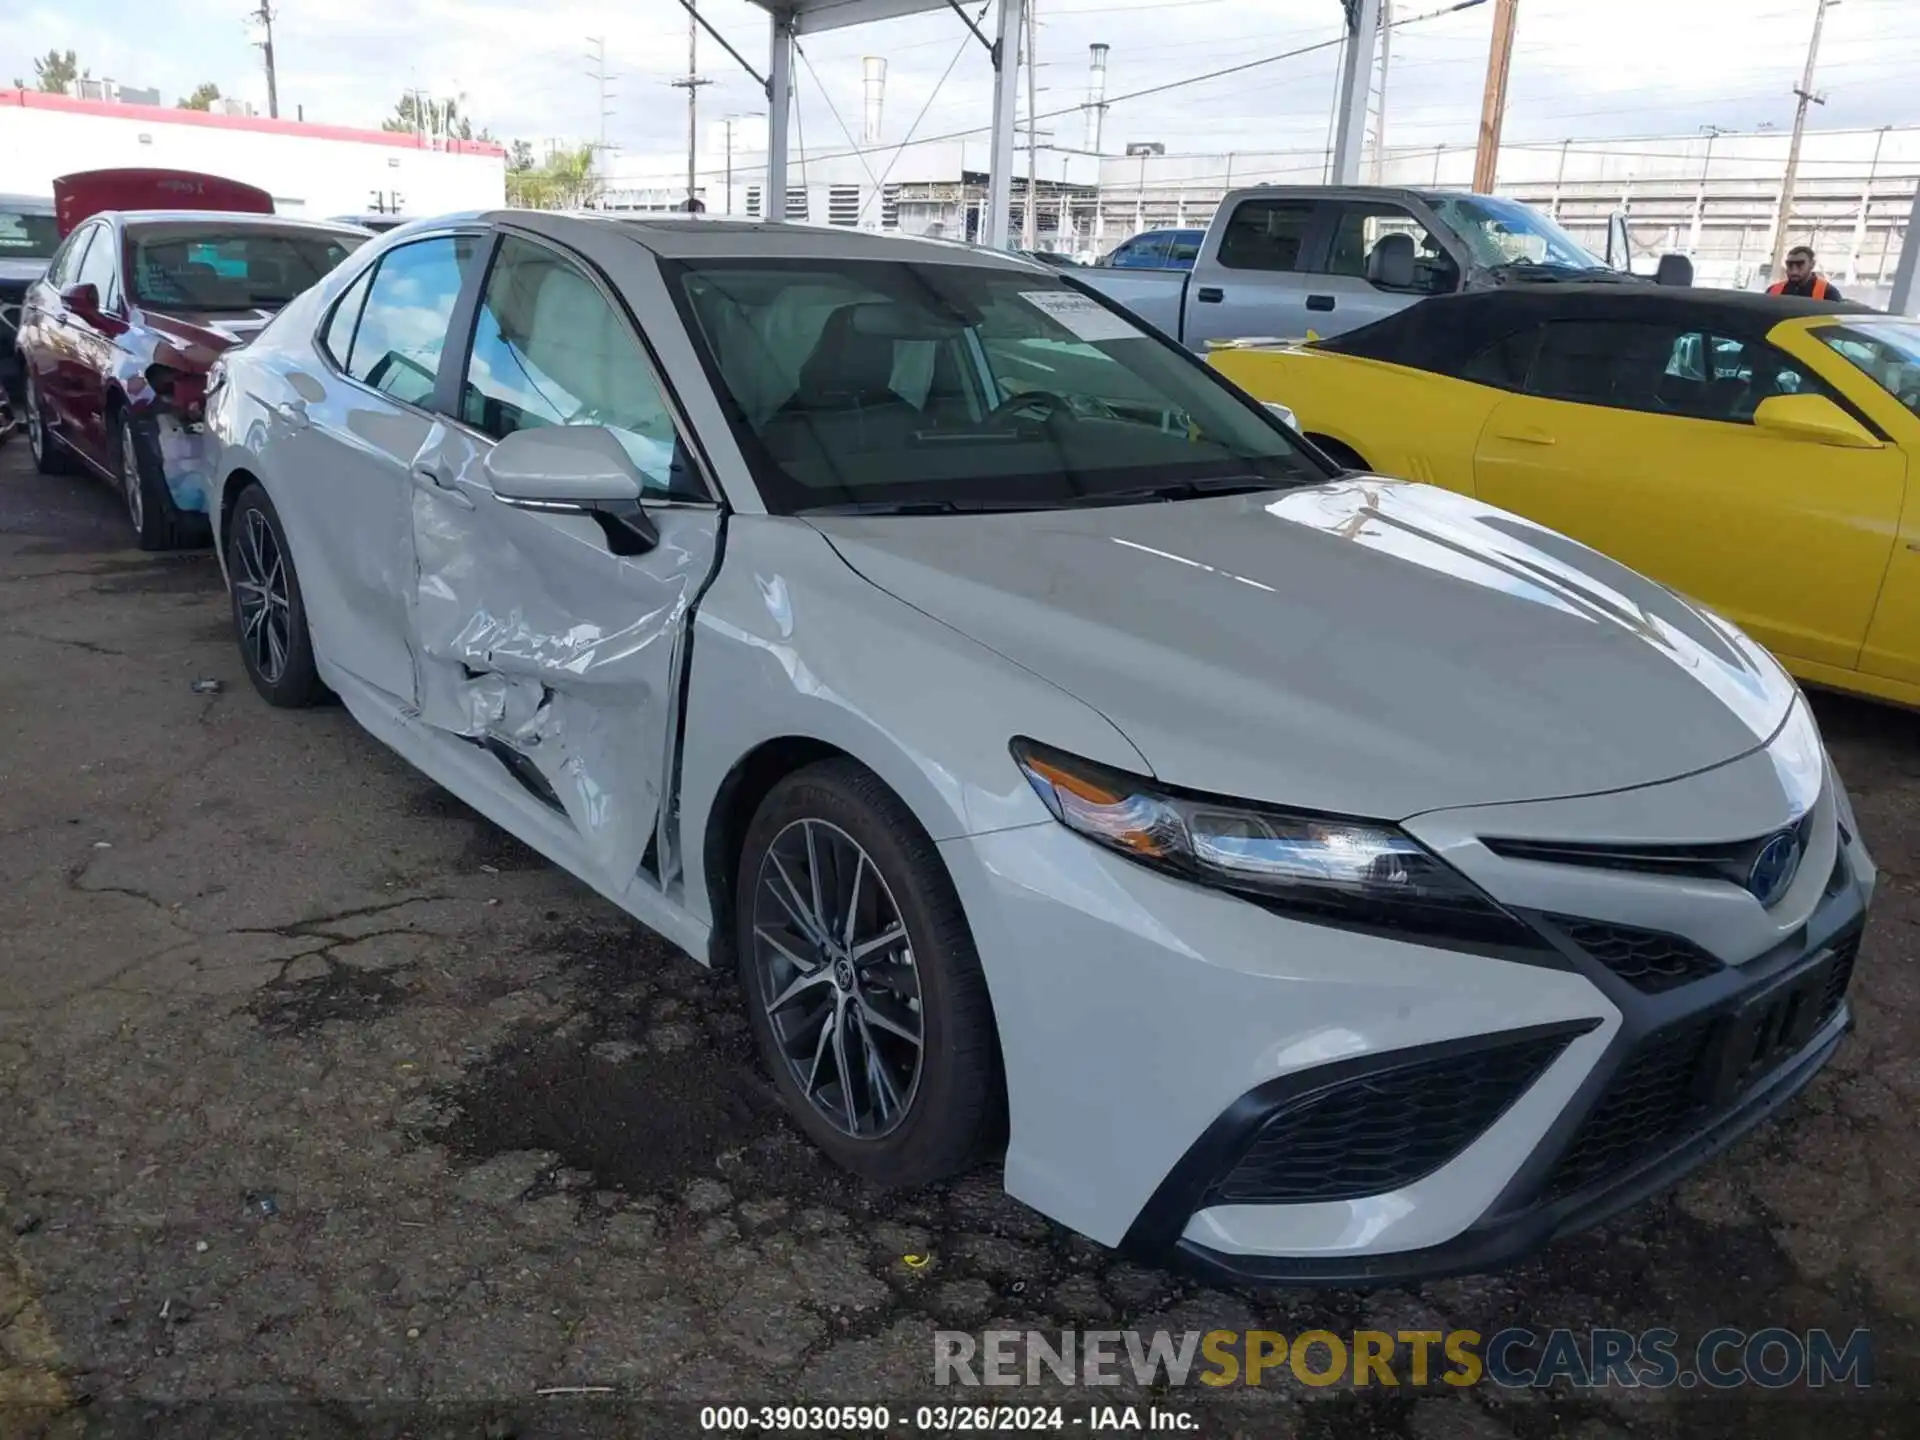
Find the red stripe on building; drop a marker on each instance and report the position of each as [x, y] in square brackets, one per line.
[208, 120]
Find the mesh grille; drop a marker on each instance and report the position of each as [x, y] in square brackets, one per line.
[1382, 1131]
[1845, 953]
[1646, 959]
[1650, 1099]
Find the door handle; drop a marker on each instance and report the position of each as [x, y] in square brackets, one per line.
[430, 477]
[1525, 435]
[1210, 295]
[1319, 302]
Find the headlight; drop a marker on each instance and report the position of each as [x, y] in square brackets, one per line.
[1360, 874]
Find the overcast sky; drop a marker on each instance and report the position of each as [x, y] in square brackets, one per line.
[1581, 68]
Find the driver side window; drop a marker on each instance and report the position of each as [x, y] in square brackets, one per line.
[1361, 227]
[549, 349]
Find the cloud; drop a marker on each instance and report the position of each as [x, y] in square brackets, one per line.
[1580, 68]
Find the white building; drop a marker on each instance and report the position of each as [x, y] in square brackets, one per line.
[310, 170]
[936, 189]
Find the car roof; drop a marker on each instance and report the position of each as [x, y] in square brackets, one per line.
[227, 218]
[1443, 332]
[707, 237]
[28, 204]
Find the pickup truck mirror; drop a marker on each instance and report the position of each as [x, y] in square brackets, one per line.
[1390, 266]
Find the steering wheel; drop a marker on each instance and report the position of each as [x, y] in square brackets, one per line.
[1041, 405]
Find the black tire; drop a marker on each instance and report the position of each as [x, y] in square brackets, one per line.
[955, 1115]
[1344, 456]
[158, 524]
[293, 683]
[49, 456]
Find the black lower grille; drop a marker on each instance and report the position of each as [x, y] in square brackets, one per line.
[1648, 960]
[1651, 1098]
[1383, 1130]
[1844, 955]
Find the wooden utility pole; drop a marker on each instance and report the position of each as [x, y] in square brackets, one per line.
[692, 85]
[1807, 97]
[265, 16]
[1493, 105]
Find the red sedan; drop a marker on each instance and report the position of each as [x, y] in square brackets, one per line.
[118, 336]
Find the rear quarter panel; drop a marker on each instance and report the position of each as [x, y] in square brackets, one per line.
[1407, 424]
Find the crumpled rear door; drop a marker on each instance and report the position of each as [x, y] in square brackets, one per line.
[563, 660]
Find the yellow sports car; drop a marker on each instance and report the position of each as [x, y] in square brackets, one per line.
[1753, 452]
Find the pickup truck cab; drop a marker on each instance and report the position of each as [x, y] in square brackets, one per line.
[1287, 261]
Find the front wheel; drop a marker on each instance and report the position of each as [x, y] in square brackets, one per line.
[862, 984]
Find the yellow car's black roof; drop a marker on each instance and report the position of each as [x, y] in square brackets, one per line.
[1443, 332]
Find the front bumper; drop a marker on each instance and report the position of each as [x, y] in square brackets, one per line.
[1153, 1031]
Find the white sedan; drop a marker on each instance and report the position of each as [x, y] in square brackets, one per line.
[1317, 877]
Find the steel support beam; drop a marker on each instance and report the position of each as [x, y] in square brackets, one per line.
[1356, 81]
[1006, 75]
[779, 112]
[1901, 302]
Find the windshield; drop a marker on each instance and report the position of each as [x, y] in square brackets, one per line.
[1505, 232]
[27, 236]
[1887, 351]
[205, 267]
[880, 383]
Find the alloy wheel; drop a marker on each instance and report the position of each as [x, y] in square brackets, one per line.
[36, 440]
[130, 477]
[837, 979]
[260, 589]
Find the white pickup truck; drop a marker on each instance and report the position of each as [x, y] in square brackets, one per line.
[1284, 261]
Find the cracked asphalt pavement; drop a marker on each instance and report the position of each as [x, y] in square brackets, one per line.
[327, 1108]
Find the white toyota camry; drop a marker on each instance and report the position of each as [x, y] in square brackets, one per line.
[1321, 877]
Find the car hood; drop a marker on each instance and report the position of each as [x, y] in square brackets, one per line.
[203, 335]
[1366, 647]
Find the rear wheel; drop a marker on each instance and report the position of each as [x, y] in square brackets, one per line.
[48, 457]
[862, 984]
[269, 615]
[158, 524]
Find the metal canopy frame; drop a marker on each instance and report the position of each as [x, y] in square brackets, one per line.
[790, 19]
[787, 20]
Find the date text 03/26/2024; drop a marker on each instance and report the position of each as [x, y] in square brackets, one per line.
[942, 1419]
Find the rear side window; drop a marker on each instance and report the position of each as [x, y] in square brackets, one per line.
[1505, 363]
[550, 349]
[337, 339]
[1268, 235]
[60, 274]
[1663, 369]
[403, 327]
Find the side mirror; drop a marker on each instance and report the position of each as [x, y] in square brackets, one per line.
[1619, 243]
[574, 470]
[82, 299]
[1674, 270]
[1812, 418]
[1390, 266]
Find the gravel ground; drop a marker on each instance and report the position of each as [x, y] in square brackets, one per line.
[327, 1108]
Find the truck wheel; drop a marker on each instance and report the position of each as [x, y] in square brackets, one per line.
[862, 984]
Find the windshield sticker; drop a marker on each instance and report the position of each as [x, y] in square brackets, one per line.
[1086, 319]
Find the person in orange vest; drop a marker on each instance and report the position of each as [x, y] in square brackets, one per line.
[1802, 278]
